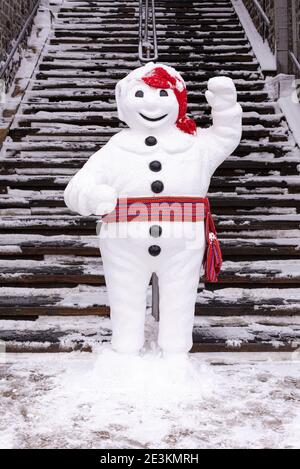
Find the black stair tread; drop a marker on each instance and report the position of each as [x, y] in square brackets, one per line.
[215, 334]
[117, 74]
[165, 56]
[105, 84]
[72, 270]
[106, 105]
[209, 40]
[95, 121]
[85, 15]
[30, 245]
[60, 165]
[122, 40]
[95, 143]
[101, 64]
[92, 300]
[48, 138]
[217, 183]
[179, 46]
[74, 131]
[226, 25]
[71, 159]
[49, 198]
[85, 36]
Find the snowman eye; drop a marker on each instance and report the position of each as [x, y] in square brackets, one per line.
[163, 93]
[139, 94]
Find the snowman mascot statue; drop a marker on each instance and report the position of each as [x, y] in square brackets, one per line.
[149, 184]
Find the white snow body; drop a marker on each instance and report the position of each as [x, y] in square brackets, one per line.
[122, 168]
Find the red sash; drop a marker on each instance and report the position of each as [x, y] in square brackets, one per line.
[173, 209]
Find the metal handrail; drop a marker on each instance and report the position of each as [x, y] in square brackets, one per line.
[262, 12]
[266, 21]
[19, 40]
[148, 51]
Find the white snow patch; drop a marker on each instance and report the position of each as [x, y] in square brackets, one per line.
[291, 111]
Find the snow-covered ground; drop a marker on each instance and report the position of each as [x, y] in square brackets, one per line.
[102, 400]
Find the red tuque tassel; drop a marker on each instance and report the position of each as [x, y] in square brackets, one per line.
[187, 125]
[213, 257]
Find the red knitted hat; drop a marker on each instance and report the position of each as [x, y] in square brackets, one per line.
[160, 78]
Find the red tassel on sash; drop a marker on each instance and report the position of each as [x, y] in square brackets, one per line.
[212, 261]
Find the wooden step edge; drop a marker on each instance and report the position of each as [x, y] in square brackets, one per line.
[12, 348]
[204, 340]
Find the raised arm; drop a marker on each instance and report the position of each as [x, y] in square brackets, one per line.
[87, 192]
[222, 138]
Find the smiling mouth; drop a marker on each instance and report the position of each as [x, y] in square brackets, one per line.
[151, 119]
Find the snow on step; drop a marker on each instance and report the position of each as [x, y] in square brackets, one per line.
[88, 245]
[211, 334]
[79, 269]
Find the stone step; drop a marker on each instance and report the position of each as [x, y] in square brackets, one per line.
[109, 85]
[105, 105]
[36, 245]
[103, 65]
[87, 225]
[76, 128]
[213, 334]
[60, 163]
[169, 45]
[207, 40]
[278, 305]
[113, 74]
[75, 270]
[229, 184]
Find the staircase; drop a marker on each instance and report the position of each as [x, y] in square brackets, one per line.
[49, 258]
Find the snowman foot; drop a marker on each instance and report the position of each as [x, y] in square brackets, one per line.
[126, 350]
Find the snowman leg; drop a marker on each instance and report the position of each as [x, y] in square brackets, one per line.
[127, 281]
[178, 283]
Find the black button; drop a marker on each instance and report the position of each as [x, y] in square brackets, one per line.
[155, 231]
[155, 166]
[151, 141]
[154, 250]
[157, 187]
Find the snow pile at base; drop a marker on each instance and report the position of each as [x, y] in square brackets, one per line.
[133, 392]
[105, 400]
[150, 379]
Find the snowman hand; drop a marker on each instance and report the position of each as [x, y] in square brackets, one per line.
[82, 195]
[104, 200]
[221, 94]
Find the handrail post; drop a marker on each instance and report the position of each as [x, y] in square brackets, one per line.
[155, 297]
[145, 44]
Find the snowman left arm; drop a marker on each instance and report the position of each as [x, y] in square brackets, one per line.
[221, 139]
